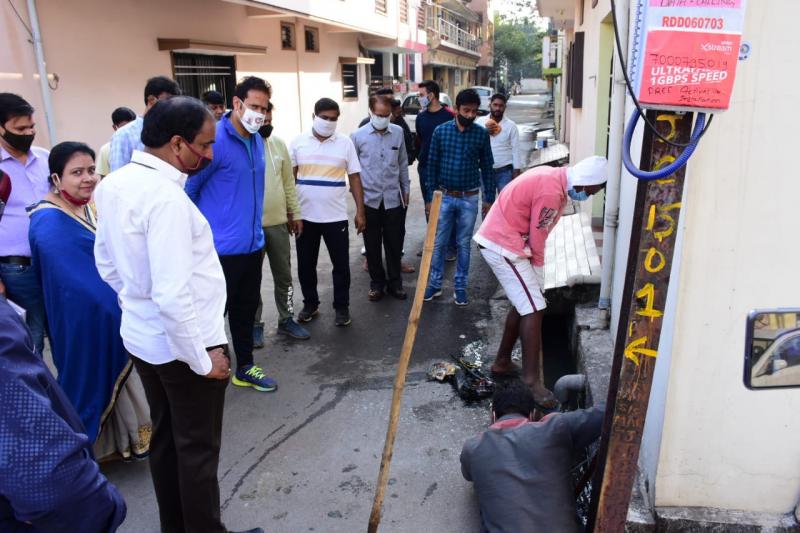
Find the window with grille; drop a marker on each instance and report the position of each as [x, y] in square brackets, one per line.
[198, 73]
[350, 81]
[312, 39]
[404, 11]
[380, 6]
[421, 16]
[287, 36]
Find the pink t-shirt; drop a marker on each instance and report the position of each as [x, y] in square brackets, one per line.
[525, 213]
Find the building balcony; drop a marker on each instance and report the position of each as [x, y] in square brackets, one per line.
[446, 34]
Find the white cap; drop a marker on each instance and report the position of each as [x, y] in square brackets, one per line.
[589, 171]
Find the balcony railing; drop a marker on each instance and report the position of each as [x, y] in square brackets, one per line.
[447, 31]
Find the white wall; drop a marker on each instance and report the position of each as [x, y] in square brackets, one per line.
[104, 55]
[723, 445]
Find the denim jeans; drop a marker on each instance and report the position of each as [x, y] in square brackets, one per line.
[457, 214]
[503, 177]
[423, 180]
[24, 289]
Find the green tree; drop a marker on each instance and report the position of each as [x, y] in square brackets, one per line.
[518, 44]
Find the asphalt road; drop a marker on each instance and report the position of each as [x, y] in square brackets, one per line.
[306, 457]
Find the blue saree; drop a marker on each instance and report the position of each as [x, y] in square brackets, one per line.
[83, 314]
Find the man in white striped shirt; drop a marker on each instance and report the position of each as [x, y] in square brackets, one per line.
[323, 161]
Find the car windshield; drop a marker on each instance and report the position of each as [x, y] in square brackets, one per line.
[411, 105]
[483, 92]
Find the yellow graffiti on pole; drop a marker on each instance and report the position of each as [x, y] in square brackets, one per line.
[648, 292]
[636, 348]
[653, 253]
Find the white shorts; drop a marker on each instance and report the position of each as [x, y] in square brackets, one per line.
[521, 280]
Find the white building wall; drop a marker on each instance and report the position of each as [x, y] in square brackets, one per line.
[723, 445]
[103, 56]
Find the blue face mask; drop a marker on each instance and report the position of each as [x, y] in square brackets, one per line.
[578, 196]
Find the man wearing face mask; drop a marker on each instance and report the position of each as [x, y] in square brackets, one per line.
[230, 193]
[129, 137]
[505, 141]
[381, 151]
[432, 115]
[280, 220]
[28, 169]
[155, 249]
[323, 162]
[460, 161]
[512, 241]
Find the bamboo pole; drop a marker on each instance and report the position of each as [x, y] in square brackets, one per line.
[402, 367]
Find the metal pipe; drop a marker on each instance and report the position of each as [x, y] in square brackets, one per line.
[615, 135]
[567, 384]
[40, 64]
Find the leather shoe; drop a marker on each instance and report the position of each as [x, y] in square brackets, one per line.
[400, 294]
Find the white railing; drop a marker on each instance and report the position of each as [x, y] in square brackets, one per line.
[447, 31]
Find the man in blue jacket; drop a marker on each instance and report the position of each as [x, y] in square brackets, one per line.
[230, 194]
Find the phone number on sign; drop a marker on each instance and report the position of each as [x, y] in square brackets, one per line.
[693, 22]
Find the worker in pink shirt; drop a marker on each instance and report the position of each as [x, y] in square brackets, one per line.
[512, 240]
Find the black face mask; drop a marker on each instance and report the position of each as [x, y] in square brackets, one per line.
[18, 142]
[265, 131]
[464, 121]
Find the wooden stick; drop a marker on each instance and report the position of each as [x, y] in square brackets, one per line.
[402, 367]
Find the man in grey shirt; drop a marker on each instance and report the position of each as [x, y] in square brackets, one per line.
[521, 468]
[384, 175]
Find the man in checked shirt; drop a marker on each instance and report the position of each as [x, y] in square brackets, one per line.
[459, 164]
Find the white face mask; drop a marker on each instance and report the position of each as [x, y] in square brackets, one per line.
[424, 101]
[252, 120]
[324, 128]
[379, 123]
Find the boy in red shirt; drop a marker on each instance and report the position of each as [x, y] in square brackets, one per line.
[512, 240]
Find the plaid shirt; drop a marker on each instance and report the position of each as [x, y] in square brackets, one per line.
[460, 161]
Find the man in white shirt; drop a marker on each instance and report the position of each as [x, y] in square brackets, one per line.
[323, 162]
[155, 249]
[504, 137]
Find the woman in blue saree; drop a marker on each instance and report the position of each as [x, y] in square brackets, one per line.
[83, 313]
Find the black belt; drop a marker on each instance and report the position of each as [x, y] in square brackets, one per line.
[507, 167]
[460, 194]
[16, 260]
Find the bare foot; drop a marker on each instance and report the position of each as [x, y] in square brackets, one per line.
[543, 397]
[504, 368]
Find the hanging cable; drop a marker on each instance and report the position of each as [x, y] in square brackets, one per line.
[22, 21]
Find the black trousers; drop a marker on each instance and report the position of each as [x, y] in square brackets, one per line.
[186, 410]
[385, 229]
[243, 283]
[337, 241]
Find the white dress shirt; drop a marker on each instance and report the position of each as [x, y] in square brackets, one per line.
[505, 145]
[155, 249]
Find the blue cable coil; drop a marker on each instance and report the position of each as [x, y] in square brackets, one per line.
[661, 173]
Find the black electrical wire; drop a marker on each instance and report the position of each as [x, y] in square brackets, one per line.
[629, 86]
[20, 18]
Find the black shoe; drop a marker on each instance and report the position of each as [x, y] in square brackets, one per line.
[254, 530]
[343, 317]
[308, 313]
[400, 294]
[374, 295]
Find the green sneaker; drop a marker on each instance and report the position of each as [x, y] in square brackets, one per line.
[253, 376]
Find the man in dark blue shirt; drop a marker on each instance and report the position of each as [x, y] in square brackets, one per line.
[49, 480]
[432, 115]
[459, 162]
[230, 194]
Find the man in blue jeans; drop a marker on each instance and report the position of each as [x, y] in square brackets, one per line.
[459, 162]
[28, 169]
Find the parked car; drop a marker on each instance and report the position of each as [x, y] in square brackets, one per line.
[779, 365]
[411, 108]
[486, 94]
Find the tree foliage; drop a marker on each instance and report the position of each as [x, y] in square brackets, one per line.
[518, 44]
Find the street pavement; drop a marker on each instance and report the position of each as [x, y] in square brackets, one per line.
[306, 458]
